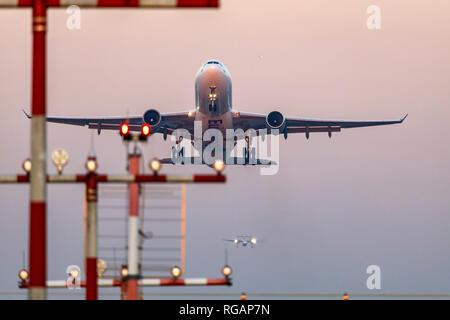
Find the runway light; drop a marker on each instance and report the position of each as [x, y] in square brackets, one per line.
[102, 266]
[26, 165]
[24, 275]
[227, 271]
[155, 165]
[124, 272]
[176, 272]
[145, 130]
[254, 240]
[124, 129]
[219, 165]
[74, 273]
[60, 158]
[91, 164]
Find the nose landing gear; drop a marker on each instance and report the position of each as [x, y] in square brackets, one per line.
[249, 156]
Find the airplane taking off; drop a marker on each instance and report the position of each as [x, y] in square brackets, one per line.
[213, 100]
[243, 240]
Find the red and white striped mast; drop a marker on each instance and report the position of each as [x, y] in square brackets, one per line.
[91, 198]
[38, 188]
[91, 180]
[133, 228]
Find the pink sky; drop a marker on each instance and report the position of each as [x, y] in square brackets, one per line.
[367, 196]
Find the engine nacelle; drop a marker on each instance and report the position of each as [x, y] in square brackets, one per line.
[276, 120]
[152, 118]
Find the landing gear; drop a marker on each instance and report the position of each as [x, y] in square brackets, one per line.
[178, 151]
[212, 99]
[247, 154]
[212, 106]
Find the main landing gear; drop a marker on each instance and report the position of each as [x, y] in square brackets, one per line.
[249, 154]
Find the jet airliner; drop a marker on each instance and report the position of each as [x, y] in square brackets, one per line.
[214, 109]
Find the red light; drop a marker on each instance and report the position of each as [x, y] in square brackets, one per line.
[145, 130]
[124, 129]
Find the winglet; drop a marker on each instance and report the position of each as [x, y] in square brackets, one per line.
[403, 118]
[26, 114]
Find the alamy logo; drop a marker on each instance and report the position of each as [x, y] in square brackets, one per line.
[74, 20]
[374, 280]
[374, 20]
[74, 279]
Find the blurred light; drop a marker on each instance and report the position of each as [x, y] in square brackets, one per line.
[74, 273]
[102, 266]
[227, 271]
[243, 296]
[124, 272]
[219, 165]
[145, 130]
[60, 158]
[26, 165]
[24, 275]
[176, 272]
[254, 240]
[91, 164]
[345, 296]
[124, 129]
[155, 165]
[236, 241]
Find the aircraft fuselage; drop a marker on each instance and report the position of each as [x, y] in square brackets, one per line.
[213, 97]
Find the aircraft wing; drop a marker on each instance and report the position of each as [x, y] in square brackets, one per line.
[246, 120]
[169, 122]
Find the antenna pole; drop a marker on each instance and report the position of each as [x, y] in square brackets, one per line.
[38, 187]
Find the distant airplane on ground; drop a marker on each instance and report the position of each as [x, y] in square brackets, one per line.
[213, 109]
[244, 240]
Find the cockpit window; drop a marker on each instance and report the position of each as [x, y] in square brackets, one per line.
[214, 63]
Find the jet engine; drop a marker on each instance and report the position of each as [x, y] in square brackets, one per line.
[276, 120]
[152, 118]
